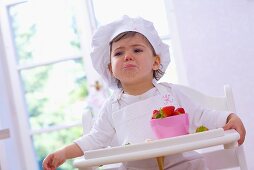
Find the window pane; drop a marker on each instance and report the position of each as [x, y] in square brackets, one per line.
[44, 29]
[55, 93]
[153, 10]
[50, 142]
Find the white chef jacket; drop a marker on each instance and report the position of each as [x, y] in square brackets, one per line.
[126, 118]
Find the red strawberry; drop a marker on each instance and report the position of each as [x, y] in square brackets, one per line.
[156, 114]
[179, 111]
[167, 111]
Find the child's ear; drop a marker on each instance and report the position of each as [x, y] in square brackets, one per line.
[157, 63]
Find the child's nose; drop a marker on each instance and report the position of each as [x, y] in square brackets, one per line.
[128, 57]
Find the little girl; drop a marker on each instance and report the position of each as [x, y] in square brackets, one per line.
[131, 58]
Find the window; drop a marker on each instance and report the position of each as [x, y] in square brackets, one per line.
[49, 63]
[50, 67]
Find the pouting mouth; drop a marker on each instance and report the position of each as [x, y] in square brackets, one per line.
[126, 66]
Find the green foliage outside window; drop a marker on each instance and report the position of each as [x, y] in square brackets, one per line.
[54, 93]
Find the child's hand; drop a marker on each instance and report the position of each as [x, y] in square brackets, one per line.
[234, 122]
[54, 160]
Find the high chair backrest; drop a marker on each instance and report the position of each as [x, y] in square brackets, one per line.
[218, 157]
[225, 102]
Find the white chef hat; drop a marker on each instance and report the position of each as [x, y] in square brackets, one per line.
[101, 49]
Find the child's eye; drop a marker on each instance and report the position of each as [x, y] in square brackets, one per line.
[137, 50]
[118, 53]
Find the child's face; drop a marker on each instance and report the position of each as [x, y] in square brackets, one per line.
[132, 60]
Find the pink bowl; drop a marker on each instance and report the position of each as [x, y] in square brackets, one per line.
[170, 126]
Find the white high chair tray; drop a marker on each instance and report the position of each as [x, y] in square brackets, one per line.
[157, 148]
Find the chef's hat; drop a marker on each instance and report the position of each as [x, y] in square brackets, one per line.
[101, 49]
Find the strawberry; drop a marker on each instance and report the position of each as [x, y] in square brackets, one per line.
[179, 111]
[156, 114]
[167, 111]
[175, 113]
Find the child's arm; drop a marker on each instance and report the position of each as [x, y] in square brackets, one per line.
[54, 160]
[234, 122]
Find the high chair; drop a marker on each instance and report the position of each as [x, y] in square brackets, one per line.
[219, 147]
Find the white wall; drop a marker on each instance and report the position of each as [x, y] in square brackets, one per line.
[213, 42]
